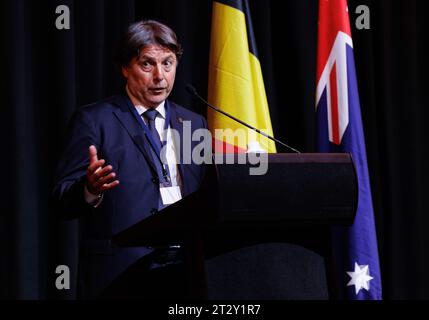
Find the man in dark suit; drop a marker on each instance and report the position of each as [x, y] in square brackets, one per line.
[113, 174]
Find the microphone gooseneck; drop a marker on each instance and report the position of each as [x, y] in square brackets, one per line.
[191, 90]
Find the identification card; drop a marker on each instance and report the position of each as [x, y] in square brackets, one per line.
[170, 195]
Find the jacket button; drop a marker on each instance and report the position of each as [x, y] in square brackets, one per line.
[154, 211]
[155, 180]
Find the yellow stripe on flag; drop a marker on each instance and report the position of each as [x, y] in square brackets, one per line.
[236, 84]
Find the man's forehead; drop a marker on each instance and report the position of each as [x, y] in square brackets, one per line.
[153, 51]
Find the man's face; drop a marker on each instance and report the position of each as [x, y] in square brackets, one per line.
[150, 77]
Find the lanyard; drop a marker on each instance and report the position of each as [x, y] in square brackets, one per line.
[148, 134]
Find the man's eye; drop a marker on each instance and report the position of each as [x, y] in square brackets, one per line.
[145, 65]
[168, 64]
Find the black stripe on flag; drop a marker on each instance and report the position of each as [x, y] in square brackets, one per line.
[243, 5]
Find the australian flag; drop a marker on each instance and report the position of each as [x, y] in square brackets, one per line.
[340, 130]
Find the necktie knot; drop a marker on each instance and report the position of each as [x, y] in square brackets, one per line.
[150, 114]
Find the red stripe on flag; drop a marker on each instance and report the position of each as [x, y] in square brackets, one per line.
[334, 106]
[333, 17]
[224, 147]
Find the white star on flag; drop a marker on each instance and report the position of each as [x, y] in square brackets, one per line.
[360, 278]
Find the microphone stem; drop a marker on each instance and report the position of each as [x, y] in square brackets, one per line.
[245, 124]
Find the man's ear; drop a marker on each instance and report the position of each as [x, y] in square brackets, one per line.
[124, 71]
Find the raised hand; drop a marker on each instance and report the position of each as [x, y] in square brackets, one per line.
[99, 178]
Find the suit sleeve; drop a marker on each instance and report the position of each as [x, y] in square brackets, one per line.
[68, 192]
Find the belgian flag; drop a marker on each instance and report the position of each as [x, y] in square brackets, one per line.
[236, 84]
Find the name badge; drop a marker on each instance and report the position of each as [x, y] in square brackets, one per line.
[170, 195]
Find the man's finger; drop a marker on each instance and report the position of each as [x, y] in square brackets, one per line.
[101, 172]
[108, 186]
[94, 166]
[104, 180]
[92, 154]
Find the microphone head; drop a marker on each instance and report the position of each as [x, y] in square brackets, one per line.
[191, 89]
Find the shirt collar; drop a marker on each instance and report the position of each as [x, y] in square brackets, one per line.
[161, 109]
[142, 109]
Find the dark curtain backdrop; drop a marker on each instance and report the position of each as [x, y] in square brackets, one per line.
[48, 73]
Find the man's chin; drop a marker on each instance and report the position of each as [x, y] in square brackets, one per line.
[158, 98]
[156, 101]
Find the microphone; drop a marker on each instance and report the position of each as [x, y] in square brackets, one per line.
[191, 90]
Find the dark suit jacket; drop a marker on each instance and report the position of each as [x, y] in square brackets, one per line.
[120, 140]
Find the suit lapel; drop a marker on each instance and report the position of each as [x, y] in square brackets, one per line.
[131, 125]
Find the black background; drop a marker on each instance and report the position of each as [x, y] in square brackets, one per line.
[47, 73]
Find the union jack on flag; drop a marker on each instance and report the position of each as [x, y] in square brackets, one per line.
[339, 129]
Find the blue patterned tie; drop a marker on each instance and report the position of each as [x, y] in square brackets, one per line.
[150, 116]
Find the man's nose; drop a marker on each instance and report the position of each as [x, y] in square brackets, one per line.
[158, 73]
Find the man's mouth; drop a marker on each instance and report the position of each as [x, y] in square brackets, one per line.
[157, 90]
